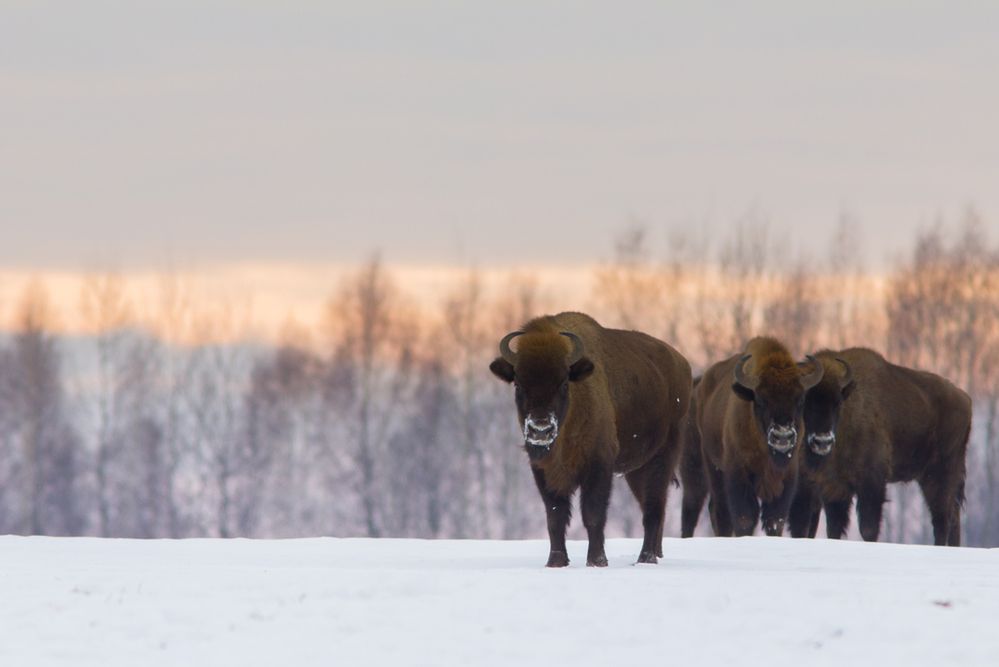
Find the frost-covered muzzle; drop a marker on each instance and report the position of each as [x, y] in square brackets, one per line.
[540, 432]
[822, 443]
[782, 438]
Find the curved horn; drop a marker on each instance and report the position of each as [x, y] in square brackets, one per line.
[813, 378]
[740, 374]
[577, 347]
[504, 346]
[847, 375]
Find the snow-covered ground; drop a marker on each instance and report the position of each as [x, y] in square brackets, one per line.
[408, 602]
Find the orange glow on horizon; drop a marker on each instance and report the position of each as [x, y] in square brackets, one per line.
[261, 301]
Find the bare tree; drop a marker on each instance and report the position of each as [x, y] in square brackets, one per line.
[466, 340]
[174, 369]
[104, 308]
[373, 334]
[794, 309]
[49, 448]
[744, 266]
[235, 465]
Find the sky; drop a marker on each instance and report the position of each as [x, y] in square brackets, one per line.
[144, 133]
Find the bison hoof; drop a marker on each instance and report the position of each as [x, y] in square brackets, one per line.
[648, 557]
[557, 559]
[597, 561]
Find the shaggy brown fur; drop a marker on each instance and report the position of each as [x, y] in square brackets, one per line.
[729, 455]
[896, 425]
[618, 410]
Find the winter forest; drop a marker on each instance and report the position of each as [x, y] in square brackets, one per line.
[387, 422]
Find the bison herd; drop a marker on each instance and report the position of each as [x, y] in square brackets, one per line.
[759, 436]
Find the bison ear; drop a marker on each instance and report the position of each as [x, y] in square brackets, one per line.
[502, 369]
[745, 393]
[580, 370]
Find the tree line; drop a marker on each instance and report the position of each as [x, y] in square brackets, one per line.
[387, 423]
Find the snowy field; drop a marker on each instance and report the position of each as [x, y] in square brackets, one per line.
[744, 601]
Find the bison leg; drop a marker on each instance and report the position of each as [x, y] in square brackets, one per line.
[944, 509]
[558, 509]
[594, 499]
[743, 504]
[775, 511]
[695, 490]
[721, 520]
[837, 517]
[943, 490]
[804, 514]
[693, 478]
[650, 485]
[870, 503]
[954, 539]
[693, 503]
[813, 528]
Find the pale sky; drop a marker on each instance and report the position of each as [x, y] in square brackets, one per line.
[138, 133]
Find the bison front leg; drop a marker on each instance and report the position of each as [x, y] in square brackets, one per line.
[870, 504]
[718, 510]
[594, 499]
[693, 503]
[804, 514]
[775, 511]
[838, 517]
[743, 505]
[558, 509]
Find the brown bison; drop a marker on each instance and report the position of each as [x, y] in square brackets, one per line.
[870, 422]
[743, 439]
[591, 402]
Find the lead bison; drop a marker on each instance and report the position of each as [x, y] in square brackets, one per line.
[870, 422]
[742, 441]
[594, 401]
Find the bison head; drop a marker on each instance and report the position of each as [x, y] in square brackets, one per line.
[822, 410]
[777, 392]
[541, 371]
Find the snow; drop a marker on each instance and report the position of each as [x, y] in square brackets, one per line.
[85, 601]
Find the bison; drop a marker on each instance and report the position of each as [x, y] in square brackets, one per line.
[741, 445]
[870, 422]
[591, 402]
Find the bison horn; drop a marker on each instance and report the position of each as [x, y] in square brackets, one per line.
[813, 378]
[847, 374]
[504, 346]
[740, 374]
[577, 347]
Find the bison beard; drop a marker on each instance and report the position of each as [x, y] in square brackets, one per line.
[593, 401]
